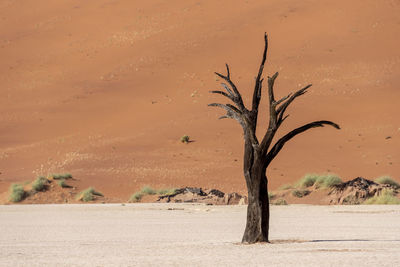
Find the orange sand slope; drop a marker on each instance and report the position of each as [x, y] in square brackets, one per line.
[105, 89]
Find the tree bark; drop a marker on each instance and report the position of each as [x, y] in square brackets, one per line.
[258, 156]
[257, 224]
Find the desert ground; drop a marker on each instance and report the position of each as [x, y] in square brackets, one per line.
[105, 89]
[196, 235]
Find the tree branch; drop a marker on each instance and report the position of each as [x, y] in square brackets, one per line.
[224, 94]
[236, 95]
[281, 142]
[231, 112]
[281, 110]
[258, 85]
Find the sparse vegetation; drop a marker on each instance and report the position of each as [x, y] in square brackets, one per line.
[136, 197]
[89, 194]
[328, 180]
[280, 201]
[307, 180]
[63, 184]
[271, 195]
[166, 191]
[387, 180]
[319, 180]
[185, 139]
[386, 196]
[300, 193]
[147, 190]
[17, 193]
[39, 184]
[60, 176]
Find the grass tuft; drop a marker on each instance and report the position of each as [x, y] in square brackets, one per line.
[308, 180]
[166, 191]
[386, 197]
[300, 193]
[17, 193]
[387, 180]
[185, 139]
[60, 176]
[280, 201]
[89, 194]
[63, 184]
[319, 180]
[328, 180]
[147, 190]
[136, 197]
[39, 184]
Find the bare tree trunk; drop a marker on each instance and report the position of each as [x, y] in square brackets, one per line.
[257, 224]
[258, 156]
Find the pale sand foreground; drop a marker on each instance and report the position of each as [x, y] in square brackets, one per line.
[196, 235]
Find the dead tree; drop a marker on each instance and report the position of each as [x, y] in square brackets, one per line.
[258, 156]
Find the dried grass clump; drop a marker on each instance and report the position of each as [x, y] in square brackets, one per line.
[387, 180]
[17, 193]
[39, 184]
[89, 195]
[386, 197]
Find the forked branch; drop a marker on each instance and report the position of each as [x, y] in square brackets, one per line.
[281, 142]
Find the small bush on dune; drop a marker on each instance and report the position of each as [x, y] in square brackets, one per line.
[385, 197]
[136, 197]
[319, 180]
[147, 190]
[166, 191]
[61, 176]
[300, 193]
[307, 180]
[185, 139]
[39, 184]
[17, 193]
[89, 194]
[328, 180]
[63, 184]
[280, 201]
[387, 180]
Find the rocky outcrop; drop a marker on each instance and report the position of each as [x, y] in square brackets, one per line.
[207, 196]
[356, 191]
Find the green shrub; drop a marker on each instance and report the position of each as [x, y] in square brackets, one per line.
[300, 193]
[280, 201]
[385, 197]
[166, 191]
[17, 193]
[185, 139]
[387, 180]
[147, 190]
[39, 184]
[63, 184]
[89, 194]
[136, 197]
[307, 180]
[319, 180]
[328, 180]
[60, 176]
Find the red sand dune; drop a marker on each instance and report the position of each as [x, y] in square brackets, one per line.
[105, 89]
